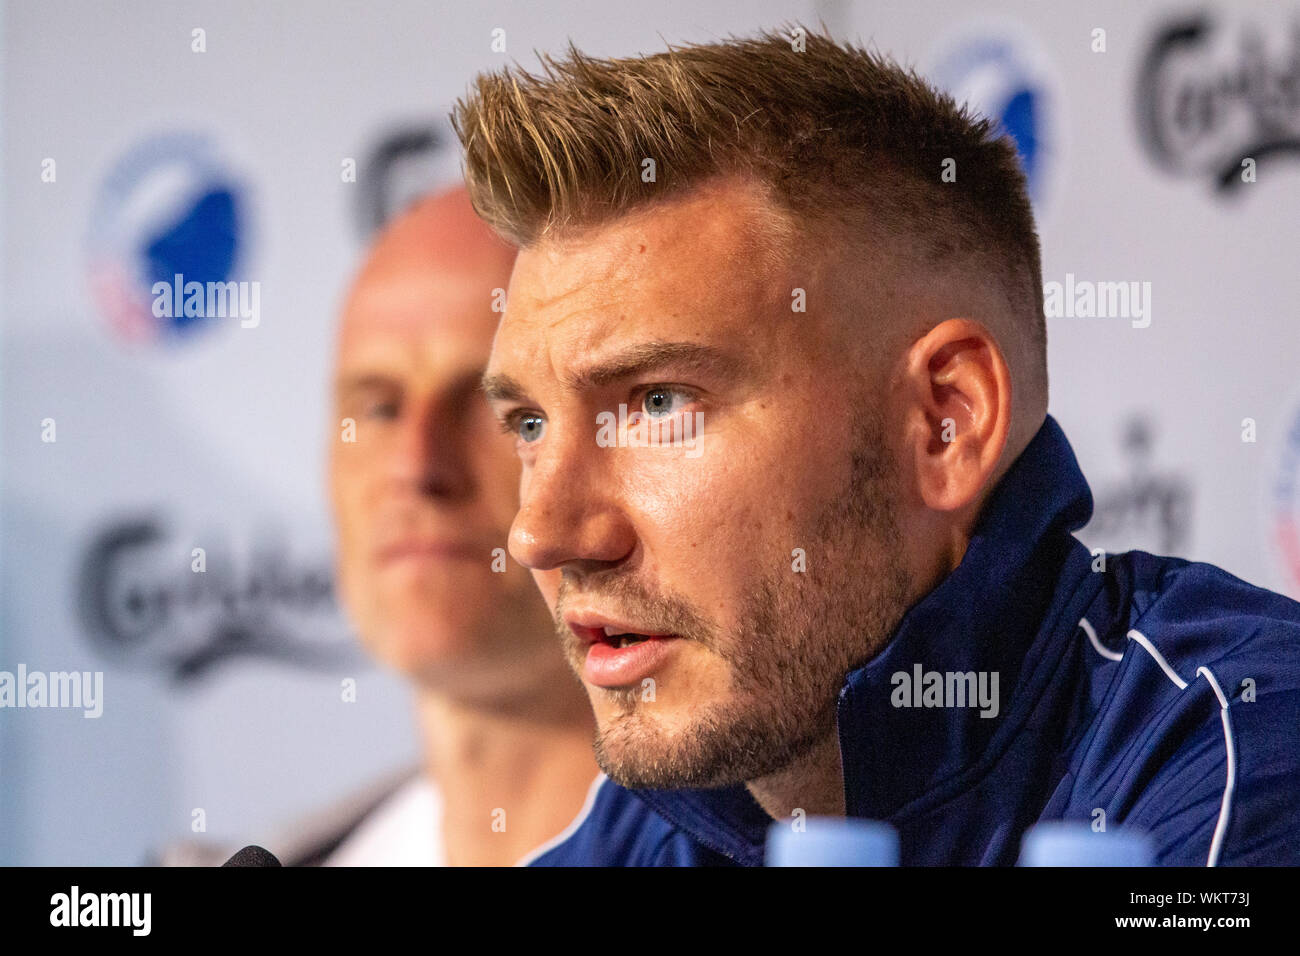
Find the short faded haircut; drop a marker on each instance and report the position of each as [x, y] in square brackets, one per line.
[835, 133]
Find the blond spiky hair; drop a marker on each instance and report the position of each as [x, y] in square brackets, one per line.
[833, 132]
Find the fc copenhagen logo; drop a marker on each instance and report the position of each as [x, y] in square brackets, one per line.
[170, 217]
[1003, 75]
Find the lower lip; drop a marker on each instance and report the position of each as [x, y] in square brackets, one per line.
[610, 666]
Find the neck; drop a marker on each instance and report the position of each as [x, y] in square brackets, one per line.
[813, 782]
[513, 773]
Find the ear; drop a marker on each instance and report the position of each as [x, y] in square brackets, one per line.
[958, 388]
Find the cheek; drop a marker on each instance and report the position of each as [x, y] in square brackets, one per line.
[342, 491]
[353, 517]
[719, 517]
[348, 483]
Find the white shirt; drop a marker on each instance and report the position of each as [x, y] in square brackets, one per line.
[406, 829]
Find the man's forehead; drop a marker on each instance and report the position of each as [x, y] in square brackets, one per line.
[434, 261]
[416, 296]
[426, 321]
[699, 263]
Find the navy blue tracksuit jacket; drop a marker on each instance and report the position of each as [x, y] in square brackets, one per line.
[1163, 692]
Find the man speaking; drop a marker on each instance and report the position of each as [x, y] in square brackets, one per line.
[774, 358]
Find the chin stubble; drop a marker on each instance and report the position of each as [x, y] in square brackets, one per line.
[799, 635]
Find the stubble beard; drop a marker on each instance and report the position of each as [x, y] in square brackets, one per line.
[800, 634]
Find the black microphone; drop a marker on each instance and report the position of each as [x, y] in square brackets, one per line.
[253, 855]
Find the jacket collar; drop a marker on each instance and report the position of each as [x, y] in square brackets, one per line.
[982, 618]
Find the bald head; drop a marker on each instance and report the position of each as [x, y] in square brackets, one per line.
[439, 237]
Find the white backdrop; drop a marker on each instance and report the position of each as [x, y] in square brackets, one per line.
[227, 698]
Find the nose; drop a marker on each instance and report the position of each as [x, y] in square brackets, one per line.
[567, 516]
[430, 454]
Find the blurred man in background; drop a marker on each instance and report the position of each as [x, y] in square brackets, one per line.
[424, 489]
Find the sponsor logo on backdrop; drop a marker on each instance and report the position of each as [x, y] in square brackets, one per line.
[1003, 74]
[1216, 99]
[148, 598]
[404, 163]
[168, 237]
[1148, 509]
[1285, 505]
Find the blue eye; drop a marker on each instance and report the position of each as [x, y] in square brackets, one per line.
[529, 428]
[661, 402]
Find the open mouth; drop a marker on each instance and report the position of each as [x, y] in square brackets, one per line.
[613, 636]
[616, 657]
[624, 640]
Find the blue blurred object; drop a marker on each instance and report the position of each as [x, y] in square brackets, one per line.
[1077, 844]
[832, 841]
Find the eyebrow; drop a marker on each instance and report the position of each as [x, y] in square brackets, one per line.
[499, 387]
[360, 381]
[635, 360]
